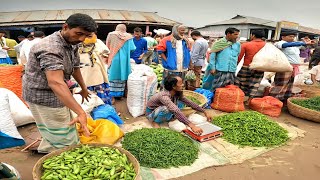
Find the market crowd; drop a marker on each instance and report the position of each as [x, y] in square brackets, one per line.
[76, 57]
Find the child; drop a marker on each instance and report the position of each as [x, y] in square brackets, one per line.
[315, 74]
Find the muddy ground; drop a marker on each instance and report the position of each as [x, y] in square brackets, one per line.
[298, 160]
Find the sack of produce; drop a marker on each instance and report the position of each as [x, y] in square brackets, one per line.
[142, 85]
[9, 135]
[20, 113]
[94, 161]
[101, 131]
[108, 112]
[270, 59]
[176, 125]
[267, 105]
[190, 76]
[250, 128]
[228, 99]
[197, 119]
[161, 148]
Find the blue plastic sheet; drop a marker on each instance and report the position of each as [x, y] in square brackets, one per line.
[106, 112]
[8, 141]
[208, 94]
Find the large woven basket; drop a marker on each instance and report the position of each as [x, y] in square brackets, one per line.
[301, 112]
[188, 110]
[311, 91]
[38, 170]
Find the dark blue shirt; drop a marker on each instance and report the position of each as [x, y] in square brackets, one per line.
[141, 47]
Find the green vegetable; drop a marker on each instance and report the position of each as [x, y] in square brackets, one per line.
[250, 128]
[88, 162]
[161, 148]
[193, 99]
[312, 103]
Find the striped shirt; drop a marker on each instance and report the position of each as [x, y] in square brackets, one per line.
[164, 98]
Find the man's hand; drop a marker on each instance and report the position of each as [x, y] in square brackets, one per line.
[82, 119]
[213, 72]
[85, 95]
[140, 57]
[209, 117]
[195, 129]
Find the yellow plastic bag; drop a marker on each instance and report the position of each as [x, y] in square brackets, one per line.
[102, 131]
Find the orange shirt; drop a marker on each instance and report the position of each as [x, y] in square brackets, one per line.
[249, 49]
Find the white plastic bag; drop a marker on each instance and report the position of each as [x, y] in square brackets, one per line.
[7, 125]
[142, 85]
[197, 119]
[239, 66]
[20, 113]
[176, 125]
[270, 59]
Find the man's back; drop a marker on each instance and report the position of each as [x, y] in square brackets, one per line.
[198, 52]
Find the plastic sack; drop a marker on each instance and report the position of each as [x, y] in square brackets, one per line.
[190, 76]
[270, 59]
[176, 125]
[229, 99]
[20, 113]
[208, 94]
[197, 119]
[87, 106]
[267, 105]
[106, 112]
[142, 85]
[9, 135]
[102, 131]
[239, 66]
[161, 32]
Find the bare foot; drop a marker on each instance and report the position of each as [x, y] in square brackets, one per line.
[155, 125]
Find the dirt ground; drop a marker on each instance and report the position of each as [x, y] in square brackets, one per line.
[298, 160]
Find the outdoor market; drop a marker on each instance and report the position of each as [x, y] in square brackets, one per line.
[107, 94]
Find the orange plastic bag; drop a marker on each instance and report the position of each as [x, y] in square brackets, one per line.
[11, 78]
[102, 131]
[267, 105]
[228, 99]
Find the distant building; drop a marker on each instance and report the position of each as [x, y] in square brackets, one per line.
[246, 24]
[49, 21]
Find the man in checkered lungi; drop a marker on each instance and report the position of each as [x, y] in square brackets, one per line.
[283, 82]
[249, 80]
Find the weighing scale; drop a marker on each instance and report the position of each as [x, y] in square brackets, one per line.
[210, 131]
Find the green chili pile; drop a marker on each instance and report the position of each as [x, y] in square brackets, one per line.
[250, 128]
[312, 103]
[193, 99]
[87, 163]
[161, 148]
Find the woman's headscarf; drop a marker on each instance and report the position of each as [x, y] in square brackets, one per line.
[116, 40]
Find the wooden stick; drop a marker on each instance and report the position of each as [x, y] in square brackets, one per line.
[30, 145]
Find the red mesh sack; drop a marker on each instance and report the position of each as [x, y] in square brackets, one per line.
[11, 78]
[228, 99]
[267, 105]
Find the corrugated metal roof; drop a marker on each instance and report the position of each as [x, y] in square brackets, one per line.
[240, 19]
[100, 15]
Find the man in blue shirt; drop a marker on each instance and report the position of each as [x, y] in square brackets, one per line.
[223, 61]
[141, 46]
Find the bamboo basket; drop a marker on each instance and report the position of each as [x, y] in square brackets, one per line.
[301, 112]
[188, 110]
[311, 91]
[38, 170]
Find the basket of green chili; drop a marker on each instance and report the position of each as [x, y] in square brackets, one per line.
[87, 162]
[196, 98]
[305, 108]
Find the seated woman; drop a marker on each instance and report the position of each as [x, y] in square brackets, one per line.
[93, 55]
[163, 105]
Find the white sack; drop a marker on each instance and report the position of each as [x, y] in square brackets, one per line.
[270, 59]
[197, 119]
[176, 125]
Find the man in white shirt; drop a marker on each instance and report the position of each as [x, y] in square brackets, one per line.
[4, 57]
[25, 49]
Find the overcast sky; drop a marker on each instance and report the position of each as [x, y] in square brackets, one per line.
[194, 13]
